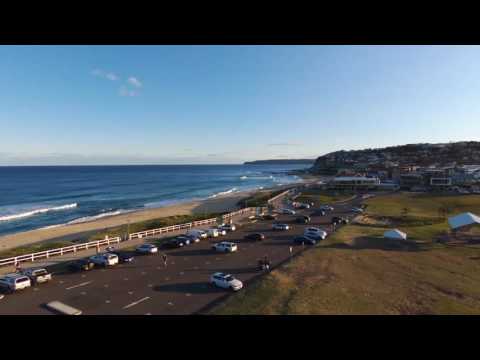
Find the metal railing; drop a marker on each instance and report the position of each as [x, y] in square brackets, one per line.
[58, 251]
[278, 196]
[238, 212]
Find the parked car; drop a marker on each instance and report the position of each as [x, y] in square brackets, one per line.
[315, 233]
[319, 213]
[221, 232]
[339, 220]
[228, 227]
[357, 210]
[187, 240]
[212, 233]
[303, 206]
[81, 265]
[304, 240]
[107, 259]
[255, 237]
[123, 257]
[270, 216]
[326, 208]
[277, 226]
[287, 211]
[192, 238]
[225, 246]
[197, 233]
[37, 275]
[225, 281]
[14, 282]
[303, 219]
[173, 243]
[147, 249]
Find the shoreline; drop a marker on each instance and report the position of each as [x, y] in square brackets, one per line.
[80, 231]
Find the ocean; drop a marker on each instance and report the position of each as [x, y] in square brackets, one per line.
[33, 197]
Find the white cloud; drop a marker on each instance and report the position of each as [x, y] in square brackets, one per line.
[105, 74]
[134, 82]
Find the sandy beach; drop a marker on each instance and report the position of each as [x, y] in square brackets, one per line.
[81, 230]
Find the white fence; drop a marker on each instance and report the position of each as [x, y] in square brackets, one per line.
[59, 251]
[167, 229]
[138, 235]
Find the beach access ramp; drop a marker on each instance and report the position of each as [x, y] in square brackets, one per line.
[62, 308]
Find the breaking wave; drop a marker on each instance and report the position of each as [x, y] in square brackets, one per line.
[36, 212]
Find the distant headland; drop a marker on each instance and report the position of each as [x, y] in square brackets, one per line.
[280, 162]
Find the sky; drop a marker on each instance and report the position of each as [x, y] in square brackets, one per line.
[73, 105]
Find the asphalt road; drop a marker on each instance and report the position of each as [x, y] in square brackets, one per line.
[146, 287]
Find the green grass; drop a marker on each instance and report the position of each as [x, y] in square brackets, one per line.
[34, 248]
[259, 199]
[322, 196]
[356, 271]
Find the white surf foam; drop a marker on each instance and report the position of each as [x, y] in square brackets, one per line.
[36, 212]
[223, 193]
[99, 216]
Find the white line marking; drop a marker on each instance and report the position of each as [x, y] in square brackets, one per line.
[167, 278]
[188, 294]
[84, 276]
[106, 285]
[125, 279]
[148, 314]
[170, 303]
[79, 285]
[136, 302]
[130, 292]
[35, 289]
[61, 281]
[144, 273]
[150, 285]
[181, 273]
[83, 293]
[107, 301]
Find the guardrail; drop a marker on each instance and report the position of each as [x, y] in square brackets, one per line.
[58, 251]
[238, 212]
[279, 196]
[167, 229]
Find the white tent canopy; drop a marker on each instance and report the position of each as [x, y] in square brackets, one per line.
[462, 220]
[395, 234]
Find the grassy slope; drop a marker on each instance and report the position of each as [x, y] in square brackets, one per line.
[356, 272]
[322, 197]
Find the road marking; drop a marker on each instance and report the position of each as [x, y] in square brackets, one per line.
[148, 314]
[218, 259]
[173, 262]
[181, 273]
[79, 285]
[125, 279]
[83, 293]
[136, 302]
[107, 301]
[170, 303]
[144, 273]
[207, 262]
[167, 278]
[188, 294]
[84, 276]
[150, 285]
[106, 285]
[61, 282]
[159, 268]
[35, 289]
[130, 293]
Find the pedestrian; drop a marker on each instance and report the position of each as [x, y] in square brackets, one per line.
[164, 256]
[291, 250]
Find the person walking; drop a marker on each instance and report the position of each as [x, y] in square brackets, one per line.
[164, 257]
[290, 249]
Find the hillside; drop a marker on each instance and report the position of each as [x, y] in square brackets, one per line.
[280, 162]
[459, 153]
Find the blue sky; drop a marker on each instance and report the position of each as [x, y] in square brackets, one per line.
[228, 104]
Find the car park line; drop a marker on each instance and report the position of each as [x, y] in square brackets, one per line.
[79, 285]
[136, 302]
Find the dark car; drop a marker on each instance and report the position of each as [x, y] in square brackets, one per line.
[304, 240]
[255, 237]
[123, 257]
[319, 213]
[303, 219]
[269, 217]
[173, 243]
[81, 265]
[339, 220]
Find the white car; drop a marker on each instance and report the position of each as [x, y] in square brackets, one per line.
[104, 259]
[225, 246]
[197, 233]
[228, 227]
[212, 233]
[147, 249]
[287, 211]
[280, 227]
[315, 233]
[14, 282]
[226, 281]
[37, 275]
[1, 296]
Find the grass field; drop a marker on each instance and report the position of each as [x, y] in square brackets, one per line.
[322, 196]
[356, 271]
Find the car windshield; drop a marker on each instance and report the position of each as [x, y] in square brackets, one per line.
[22, 279]
[40, 272]
[229, 278]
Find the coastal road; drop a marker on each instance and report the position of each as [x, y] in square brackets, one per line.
[146, 287]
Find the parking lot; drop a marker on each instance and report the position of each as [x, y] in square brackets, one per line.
[147, 287]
